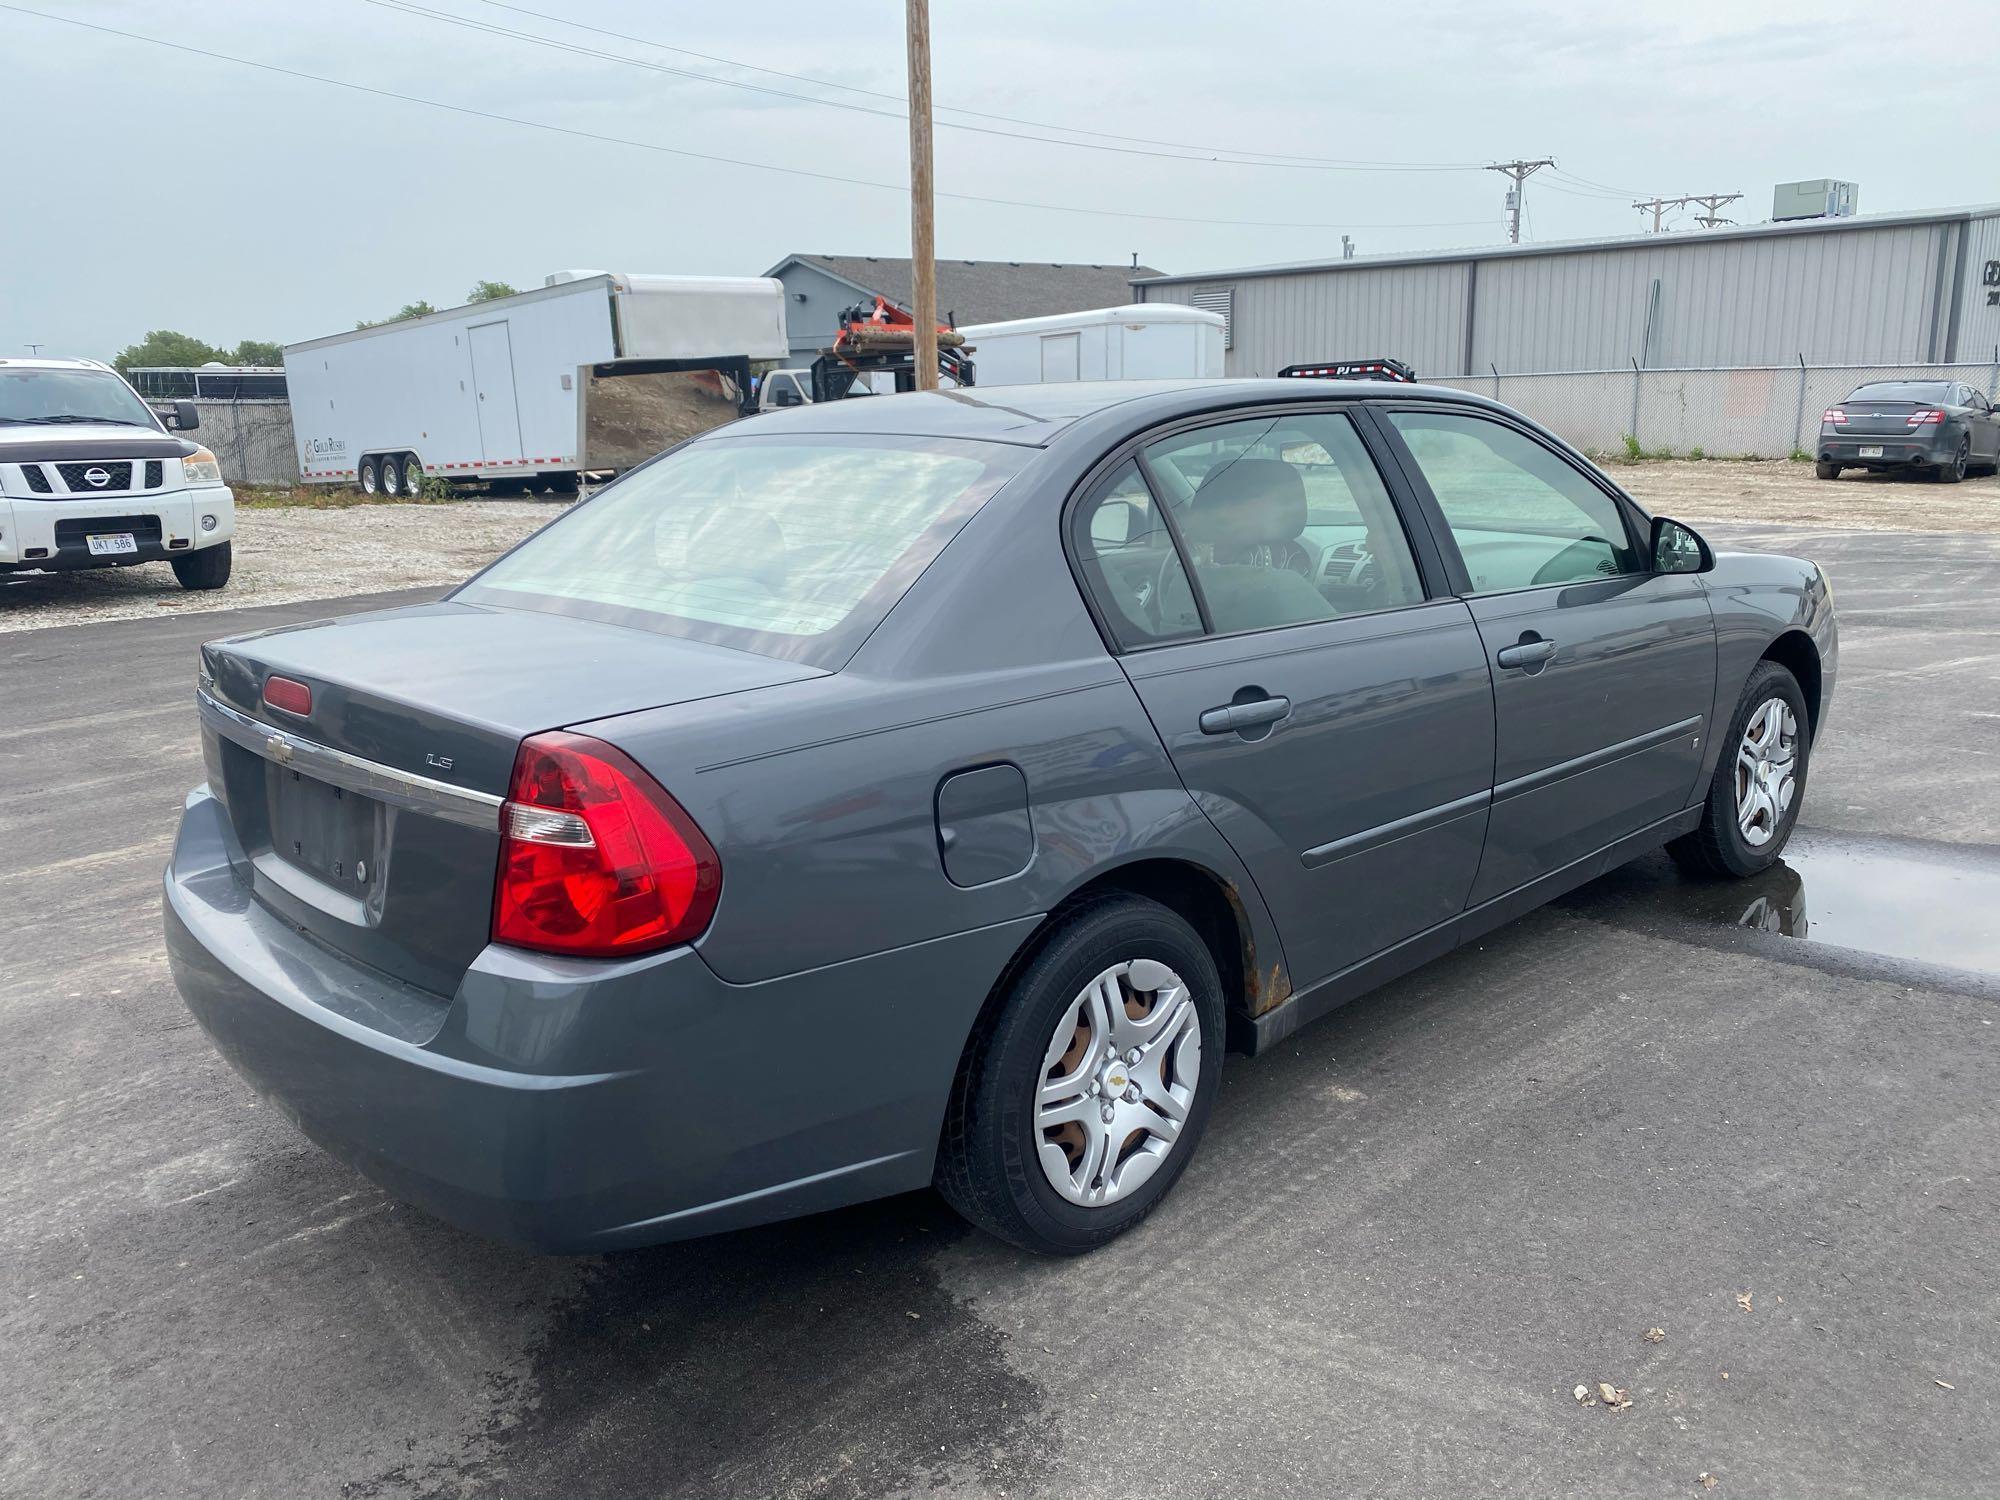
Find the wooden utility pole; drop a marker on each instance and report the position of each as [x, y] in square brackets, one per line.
[923, 248]
[1517, 172]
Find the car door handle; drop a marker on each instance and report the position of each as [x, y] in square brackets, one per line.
[1231, 717]
[1528, 654]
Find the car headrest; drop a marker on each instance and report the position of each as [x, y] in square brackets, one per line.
[1250, 502]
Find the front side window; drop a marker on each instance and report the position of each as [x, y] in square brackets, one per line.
[54, 397]
[1286, 520]
[791, 547]
[1521, 515]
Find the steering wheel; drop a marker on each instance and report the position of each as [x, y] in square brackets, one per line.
[1562, 568]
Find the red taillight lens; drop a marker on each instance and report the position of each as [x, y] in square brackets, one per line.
[1926, 418]
[292, 697]
[1835, 415]
[596, 860]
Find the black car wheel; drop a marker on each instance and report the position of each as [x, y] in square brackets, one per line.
[1077, 1108]
[1952, 472]
[1759, 782]
[206, 569]
[1825, 470]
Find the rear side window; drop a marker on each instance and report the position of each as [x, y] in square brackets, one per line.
[792, 547]
[1130, 562]
[1521, 515]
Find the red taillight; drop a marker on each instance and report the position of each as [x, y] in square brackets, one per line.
[596, 860]
[292, 697]
[1835, 415]
[1926, 418]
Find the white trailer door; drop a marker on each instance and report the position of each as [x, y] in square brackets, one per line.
[1062, 357]
[493, 380]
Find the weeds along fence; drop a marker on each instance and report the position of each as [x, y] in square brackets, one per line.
[252, 440]
[1765, 411]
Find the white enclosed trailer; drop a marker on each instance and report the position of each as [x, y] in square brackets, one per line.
[539, 386]
[1146, 341]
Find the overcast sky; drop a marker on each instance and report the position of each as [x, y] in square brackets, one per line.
[149, 188]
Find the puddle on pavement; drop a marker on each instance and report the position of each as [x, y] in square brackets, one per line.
[1900, 898]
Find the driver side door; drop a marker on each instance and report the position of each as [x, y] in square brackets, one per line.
[1603, 670]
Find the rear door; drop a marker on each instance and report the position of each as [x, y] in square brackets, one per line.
[1984, 426]
[1327, 706]
[1603, 671]
[493, 384]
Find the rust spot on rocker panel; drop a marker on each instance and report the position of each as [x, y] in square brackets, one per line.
[1261, 992]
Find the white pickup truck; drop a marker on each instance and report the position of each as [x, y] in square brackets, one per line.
[92, 477]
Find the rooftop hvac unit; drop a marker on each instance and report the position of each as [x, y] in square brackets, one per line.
[1820, 198]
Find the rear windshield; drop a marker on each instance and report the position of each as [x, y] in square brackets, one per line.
[789, 546]
[1904, 390]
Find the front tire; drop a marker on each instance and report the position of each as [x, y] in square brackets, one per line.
[1759, 782]
[1824, 470]
[206, 569]
[1078, 1107]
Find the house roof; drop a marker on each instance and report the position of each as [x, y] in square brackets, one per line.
[984, 291]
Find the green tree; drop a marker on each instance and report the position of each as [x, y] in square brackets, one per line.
[416, 309]
[258, 352]
[486, 291]
[163, 346]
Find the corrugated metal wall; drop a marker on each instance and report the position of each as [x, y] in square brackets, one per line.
[1859, 295]
[1979, 292]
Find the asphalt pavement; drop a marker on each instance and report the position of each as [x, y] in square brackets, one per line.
[1411, 1233]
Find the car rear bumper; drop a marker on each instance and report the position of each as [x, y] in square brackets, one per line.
[1897, 452]
[576, 1105]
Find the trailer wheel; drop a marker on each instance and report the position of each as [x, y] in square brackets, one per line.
[561, 484]
[392, 476]
[371, 477]
[413, 476]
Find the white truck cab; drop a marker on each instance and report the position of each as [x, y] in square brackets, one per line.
[92, 477]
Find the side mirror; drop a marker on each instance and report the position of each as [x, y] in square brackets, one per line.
[1679, 549]
[1115, 524]
[180, 416]
[785, 395]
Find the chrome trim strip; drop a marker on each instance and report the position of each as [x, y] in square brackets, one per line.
[1400, 828]
[438, 799]
[1596, 759]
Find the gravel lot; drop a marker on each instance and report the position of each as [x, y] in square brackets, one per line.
[1760, 492]
[287, 555]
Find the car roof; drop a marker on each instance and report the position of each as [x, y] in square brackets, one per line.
[1035, 415]
[43, 362]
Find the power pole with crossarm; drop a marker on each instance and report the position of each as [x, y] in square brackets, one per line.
[1517, 172]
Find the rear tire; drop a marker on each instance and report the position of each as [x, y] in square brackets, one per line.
[1824, 470]
[1000, 1161]
[206, 569]
[1735, 838]
[370, 476]
[1953, 471]
[413, 476]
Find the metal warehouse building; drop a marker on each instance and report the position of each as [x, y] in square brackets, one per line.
[1884, 289]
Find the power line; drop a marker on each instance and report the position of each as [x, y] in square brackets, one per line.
[1137, 140]
[1177, 153]
[731, 161]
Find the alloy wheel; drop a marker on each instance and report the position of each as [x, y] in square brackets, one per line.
[1118, 1078]
[1767, 762]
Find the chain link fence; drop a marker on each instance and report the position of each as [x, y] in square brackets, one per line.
[252, 440]
[1766, 411]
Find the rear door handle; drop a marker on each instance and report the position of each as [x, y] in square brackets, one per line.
[1528, 654]
[1231, 717]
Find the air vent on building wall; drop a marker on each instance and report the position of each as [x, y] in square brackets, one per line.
[1217, 300]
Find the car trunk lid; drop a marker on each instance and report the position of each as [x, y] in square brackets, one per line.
[371, 820]
[1879, 418]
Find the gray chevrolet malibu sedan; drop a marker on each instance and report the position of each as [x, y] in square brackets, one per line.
[934, 788]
